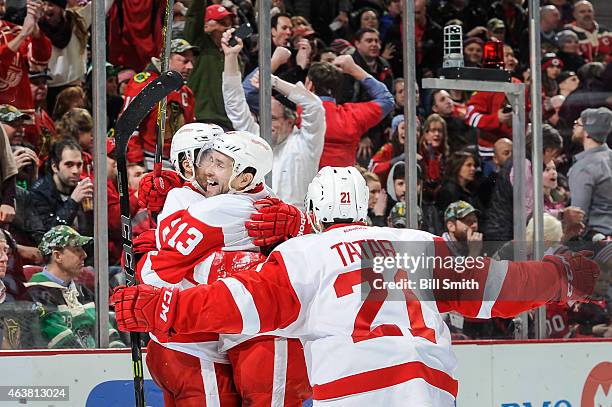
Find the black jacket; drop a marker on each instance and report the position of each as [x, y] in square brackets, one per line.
[499, 223]
[451, 191]
[49, 210]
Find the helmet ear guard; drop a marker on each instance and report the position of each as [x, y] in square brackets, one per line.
[337, 195]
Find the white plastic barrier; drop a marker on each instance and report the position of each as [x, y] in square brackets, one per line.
[511, 374]
[542, 374]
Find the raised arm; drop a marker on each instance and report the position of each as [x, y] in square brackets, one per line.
[312, 114]
[234, 98]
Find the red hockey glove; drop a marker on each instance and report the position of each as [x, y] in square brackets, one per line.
[276, 221]
[152, 190]
[144, 242]
[578, 273]
[144, 308]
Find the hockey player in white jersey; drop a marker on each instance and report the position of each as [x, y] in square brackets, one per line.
[360, 348]
[206, 241]
[186, 144]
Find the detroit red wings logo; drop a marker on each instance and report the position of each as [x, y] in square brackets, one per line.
[13, 76]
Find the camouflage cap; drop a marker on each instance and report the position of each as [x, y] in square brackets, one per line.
[458, 210]
[397, 216]
[179, 45]
[60, 237]
[9, 113]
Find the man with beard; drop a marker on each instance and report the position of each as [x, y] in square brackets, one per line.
[462, 237]
[590, 178]
[57, 199]
[181, 103]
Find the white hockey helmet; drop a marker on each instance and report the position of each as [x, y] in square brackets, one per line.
[247, 150]
[188, 139]
[337, 194]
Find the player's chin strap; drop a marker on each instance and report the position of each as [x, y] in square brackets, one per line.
[314, 223]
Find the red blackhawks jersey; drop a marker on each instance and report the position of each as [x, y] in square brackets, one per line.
[362, 349]
[482, 110]
[180, 111]
[189, 253]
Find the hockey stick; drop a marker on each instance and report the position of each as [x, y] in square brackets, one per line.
[161, 107]
[126, 125]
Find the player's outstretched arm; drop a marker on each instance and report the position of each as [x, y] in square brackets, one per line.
[249, 303]
[507, 288]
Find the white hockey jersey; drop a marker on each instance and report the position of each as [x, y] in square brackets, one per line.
[179, 199]
[189, 240]
[362, 348]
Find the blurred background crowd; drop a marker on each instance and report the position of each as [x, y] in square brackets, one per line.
[348, 53]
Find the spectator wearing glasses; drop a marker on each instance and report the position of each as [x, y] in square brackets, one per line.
[590, 178]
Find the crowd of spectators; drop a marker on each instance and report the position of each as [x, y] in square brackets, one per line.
[338, 99]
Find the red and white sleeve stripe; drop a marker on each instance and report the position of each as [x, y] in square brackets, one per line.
[254, 301]
[504, 288]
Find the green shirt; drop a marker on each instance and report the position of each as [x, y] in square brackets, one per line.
[205, 79]
[65, 322]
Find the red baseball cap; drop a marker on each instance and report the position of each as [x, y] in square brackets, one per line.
[110, 147]
[217, 12]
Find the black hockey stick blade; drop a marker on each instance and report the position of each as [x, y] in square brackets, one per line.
[126, 125]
